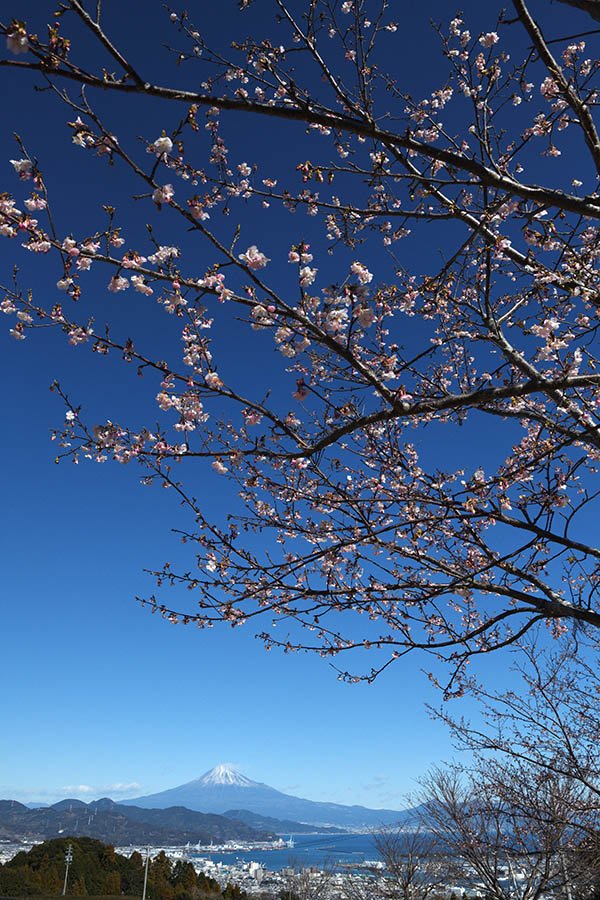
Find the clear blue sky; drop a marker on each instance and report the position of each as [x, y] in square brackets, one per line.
[97, 695]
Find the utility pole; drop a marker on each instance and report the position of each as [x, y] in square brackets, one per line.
[68, 861]
[146, 872]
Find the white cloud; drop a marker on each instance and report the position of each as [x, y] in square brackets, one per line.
[117, 789]
[125, 787]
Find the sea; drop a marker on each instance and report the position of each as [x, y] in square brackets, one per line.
[323, 851]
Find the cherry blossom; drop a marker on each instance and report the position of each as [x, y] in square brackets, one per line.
[16, 39]
[161, 146]
[489, 39]
[140, 285]
[35, 202]
[253, 258]
[213, 381]
[307, 276]
[365, 316]
[163, 194]
[118, 283]
[23, 168]
[163, 254]
[361, 272]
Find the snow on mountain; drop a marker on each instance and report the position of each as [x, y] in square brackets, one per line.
[225, 773]
[224, 788]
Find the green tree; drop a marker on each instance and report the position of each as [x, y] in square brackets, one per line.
[96, 869]
[159, 878]
[234, 892]
[50, 877]
[113, 883]
[78, 888]
[207, 886]
[132, 874]
[184, 876]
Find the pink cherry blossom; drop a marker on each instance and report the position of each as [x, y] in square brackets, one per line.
[70, 246]
[253, 258]
[213, 381]
[118, 283]
[361, 272]
[365, 316]
[35, 202]
[163, 194]
[307, 276]
[251, 417]
[23, 168]
[163, 254]
[549, 88]
[140, 285]
[489, 39]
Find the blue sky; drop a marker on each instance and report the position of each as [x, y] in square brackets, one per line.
[98, 696]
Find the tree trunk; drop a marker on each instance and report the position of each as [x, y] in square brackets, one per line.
[589, 6]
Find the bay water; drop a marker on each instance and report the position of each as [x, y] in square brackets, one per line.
[323, 851]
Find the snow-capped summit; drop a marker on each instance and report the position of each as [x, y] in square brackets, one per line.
[225, 773]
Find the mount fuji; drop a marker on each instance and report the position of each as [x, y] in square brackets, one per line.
[225, 788]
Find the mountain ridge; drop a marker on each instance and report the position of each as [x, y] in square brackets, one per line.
[119, 823]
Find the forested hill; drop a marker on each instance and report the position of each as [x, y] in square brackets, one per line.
[121, 824]
[96, 870]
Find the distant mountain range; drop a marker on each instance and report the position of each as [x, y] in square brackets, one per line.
[117, 823]
[221, 805]
[280, 826]
[224, 788]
